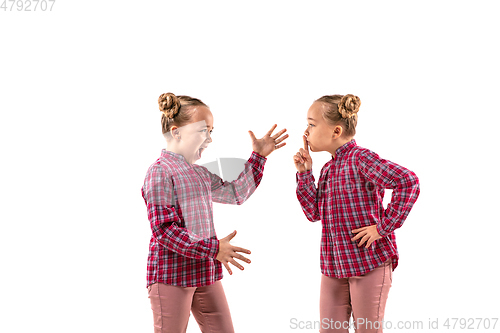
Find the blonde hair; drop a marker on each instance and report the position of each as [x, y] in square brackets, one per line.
[342, 110]
[176, 110]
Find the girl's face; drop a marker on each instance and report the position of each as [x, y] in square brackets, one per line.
[195, 136]
[319, 133]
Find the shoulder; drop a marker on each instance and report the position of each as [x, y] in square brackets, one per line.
[363, 154]
[162, 168]
[363, 151]
[156, 173]
[200, 168]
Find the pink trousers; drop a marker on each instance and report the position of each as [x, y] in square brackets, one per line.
[171, 306]
[364, 296]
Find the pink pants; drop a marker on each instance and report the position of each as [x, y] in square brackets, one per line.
[171, 306]
[365, 296]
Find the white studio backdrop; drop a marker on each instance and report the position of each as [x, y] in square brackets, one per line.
[80, 126]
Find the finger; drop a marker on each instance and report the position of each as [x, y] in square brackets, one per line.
[271, 130]
[228, 269]
[303, 153]
[281, 139]
[231, 235]
[358, 236]
[306, 145]
[358, 230]
[299, 157]
[277, 135]
[370, 241]
[363, 240]
[298, 162]
[242, 258]
[235, 263]
[240, 249]
[252, 136]
[279, 146]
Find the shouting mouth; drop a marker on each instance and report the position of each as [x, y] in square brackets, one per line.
[199, 151]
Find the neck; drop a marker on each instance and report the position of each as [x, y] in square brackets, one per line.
[175, 149]
[338, 144]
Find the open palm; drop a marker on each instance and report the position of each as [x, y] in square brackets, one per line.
[268, 143]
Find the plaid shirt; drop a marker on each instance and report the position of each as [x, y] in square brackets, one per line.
[178, 195]
[349, 196]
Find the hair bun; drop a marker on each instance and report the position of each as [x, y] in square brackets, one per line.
[349, 105]
[169, 104]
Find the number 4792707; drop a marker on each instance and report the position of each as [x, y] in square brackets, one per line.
[27, 5]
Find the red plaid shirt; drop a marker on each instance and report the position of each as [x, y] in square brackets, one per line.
[178, 196]
[349, 196]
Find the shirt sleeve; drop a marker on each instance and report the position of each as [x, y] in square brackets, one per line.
[166, 223]
[389, 175]
[307, 194]
[240, 189]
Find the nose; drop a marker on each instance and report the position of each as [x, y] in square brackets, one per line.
[306, 132]
[209, 137]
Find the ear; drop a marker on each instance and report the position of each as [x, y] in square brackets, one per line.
[337, 132]
[175, 132]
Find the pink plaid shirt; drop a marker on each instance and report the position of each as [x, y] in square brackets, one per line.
[349, 196]
[178, 196]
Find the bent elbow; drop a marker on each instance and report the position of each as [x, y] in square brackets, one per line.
[313, 218]
[410, 180]
[413, 179]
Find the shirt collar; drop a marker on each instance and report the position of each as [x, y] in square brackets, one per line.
[345, 148]
[171, 155]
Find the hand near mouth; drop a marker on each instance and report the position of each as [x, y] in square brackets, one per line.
[267, 144]
[302, 159]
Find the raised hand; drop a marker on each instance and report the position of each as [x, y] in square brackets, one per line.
[268, 143]
[303, 160]
[228, 252]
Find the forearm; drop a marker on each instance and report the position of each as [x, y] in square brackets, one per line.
[307, 195]
[167, 232]
[239, 190]
[403, 198]
[389, 175]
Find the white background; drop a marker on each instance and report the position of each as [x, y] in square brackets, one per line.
[80, 126]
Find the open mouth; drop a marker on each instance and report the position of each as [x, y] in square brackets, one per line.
[199, 151]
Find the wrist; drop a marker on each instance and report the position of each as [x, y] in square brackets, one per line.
[259, 153]
[216, 248]
[381, 232]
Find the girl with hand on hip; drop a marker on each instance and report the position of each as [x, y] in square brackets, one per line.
[358, 244]
[185, 256]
